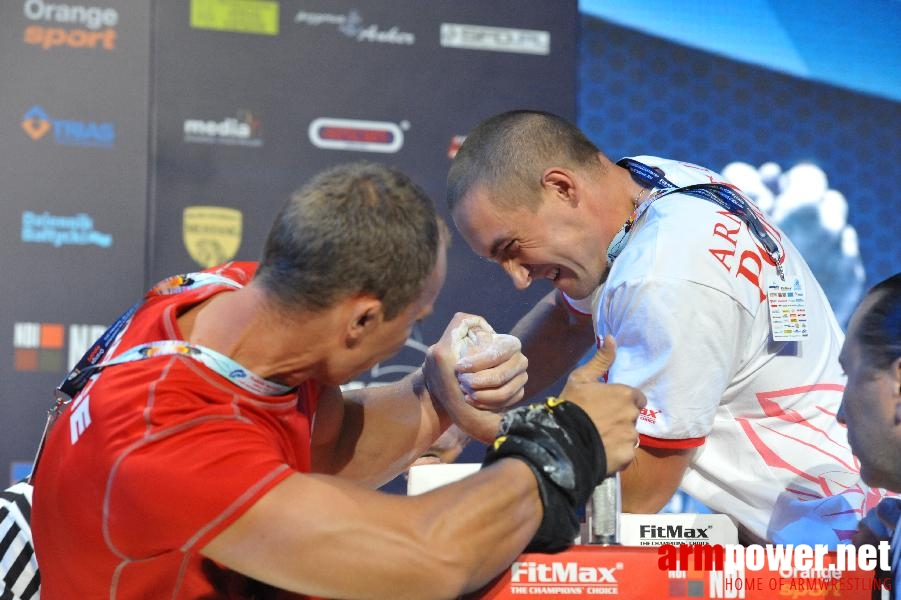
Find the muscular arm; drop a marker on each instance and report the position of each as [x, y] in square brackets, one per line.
[653, 477]
[668, 350]
[554, 338]
[373, 434]
[323, 536]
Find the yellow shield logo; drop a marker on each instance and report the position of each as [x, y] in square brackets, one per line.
[212, 234]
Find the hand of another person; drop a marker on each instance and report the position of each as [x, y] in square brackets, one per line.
[879, 523]
[614, 408]
[472, 371]
[446, 448]
[490, 366]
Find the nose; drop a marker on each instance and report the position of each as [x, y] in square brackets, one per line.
[840, 415]
[520, 274]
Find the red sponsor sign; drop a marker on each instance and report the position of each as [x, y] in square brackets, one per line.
[634, 572]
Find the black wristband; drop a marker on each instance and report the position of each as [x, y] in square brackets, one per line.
[563, 448]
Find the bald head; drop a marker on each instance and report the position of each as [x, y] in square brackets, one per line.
[508, 153]
[876, 324]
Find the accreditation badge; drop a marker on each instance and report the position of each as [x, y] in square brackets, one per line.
[788, 309]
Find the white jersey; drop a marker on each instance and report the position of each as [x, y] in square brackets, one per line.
[686, 301]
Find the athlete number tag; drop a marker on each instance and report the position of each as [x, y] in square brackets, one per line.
[788, 309]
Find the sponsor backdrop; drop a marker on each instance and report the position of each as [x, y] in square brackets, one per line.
[73, 183]
[145, 139]
[821, 159]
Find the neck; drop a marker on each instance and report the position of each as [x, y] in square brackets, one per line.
[624, 194]
[243, 326]
[641, 195]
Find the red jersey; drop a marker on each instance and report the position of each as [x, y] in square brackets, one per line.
[152, 460]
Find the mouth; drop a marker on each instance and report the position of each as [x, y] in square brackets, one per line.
[554, 275]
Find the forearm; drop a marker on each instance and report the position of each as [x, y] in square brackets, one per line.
[477, 537]
[452, 540]
[384, 429]
[303, 535]
[653, 477]
[553, 338]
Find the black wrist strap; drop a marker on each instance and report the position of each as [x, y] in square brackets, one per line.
[561, 445]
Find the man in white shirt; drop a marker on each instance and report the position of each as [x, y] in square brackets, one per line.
[742, 379]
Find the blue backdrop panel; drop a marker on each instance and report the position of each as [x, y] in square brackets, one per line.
[643, 95]
[73, 186]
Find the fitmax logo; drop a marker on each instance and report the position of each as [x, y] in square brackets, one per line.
[560, 572]
[661, 532]
[67, 132]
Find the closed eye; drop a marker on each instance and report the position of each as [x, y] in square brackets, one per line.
[510, 249]
[502, 248]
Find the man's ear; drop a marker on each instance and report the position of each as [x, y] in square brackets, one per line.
[895, 370]
[896, 373]
[561, 182]
[364, 315]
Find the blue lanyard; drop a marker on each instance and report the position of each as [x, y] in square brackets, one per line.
[76, 379]
[90, 364]
[721, 194]
[220, 363]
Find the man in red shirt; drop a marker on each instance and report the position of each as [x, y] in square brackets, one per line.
[219, 458]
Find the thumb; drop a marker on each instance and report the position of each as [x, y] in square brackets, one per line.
[600, 363]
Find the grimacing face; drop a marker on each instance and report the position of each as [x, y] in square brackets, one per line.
[869, 411]
[553, 243]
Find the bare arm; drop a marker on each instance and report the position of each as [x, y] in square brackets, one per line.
[303, 533]
[653, 477]
[372, 435]
[554, 338]
[322, 536]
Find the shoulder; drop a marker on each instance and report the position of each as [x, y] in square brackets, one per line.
[681, 172]
[239, 271]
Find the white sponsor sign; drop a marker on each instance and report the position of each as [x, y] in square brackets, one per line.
[495, 39]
